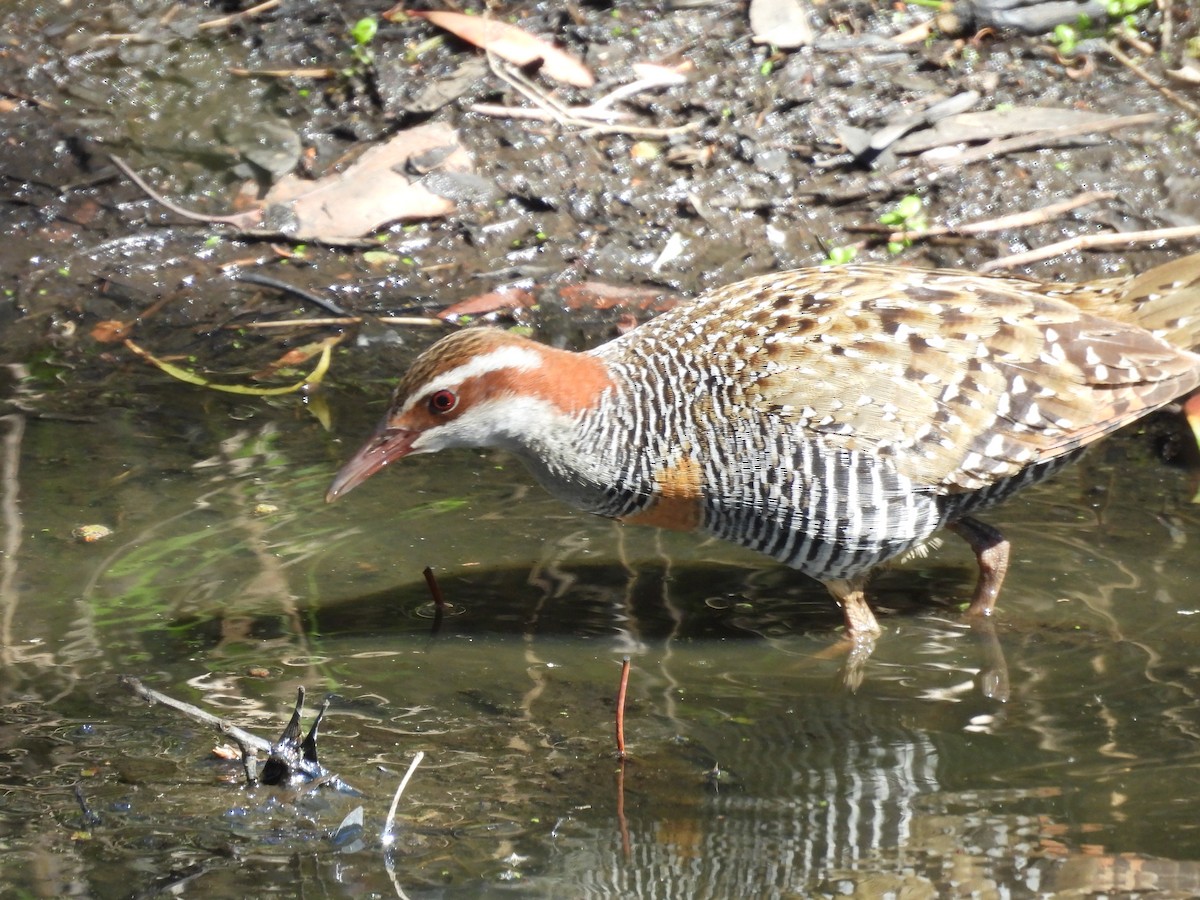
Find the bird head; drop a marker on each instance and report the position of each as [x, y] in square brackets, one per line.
[476, 388]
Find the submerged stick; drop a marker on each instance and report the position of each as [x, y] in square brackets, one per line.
[240, 735]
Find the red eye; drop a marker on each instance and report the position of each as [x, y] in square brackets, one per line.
[442, 401]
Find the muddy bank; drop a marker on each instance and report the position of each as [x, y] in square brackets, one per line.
[742, 165]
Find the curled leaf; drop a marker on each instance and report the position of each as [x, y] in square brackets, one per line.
[313, 379]
[512, 44]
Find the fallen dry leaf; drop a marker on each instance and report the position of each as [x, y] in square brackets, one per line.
[512, 44]
[372, 192]
[297, 356]
[780, 23]
[387, 183]
[492, 301]
[110, 331]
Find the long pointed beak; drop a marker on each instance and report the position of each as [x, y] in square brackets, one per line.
[386, 446]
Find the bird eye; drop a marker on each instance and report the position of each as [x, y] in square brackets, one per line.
[442, 401]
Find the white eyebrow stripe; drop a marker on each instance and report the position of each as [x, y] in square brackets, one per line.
[510, 356]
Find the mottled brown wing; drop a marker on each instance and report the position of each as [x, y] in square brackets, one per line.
[961, 380]
[1164, 300]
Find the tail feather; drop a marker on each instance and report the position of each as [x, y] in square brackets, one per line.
[1164, 300]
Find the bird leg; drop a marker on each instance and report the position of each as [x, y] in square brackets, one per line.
[851, 597]
[861, 628]
[991, 552]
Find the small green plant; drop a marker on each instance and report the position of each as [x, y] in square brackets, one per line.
[908, 215]
[1121, 13]
[363, 32]
[1066, 38]
[839, 256]
[1120, 9]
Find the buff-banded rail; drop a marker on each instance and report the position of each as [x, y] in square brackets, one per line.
[834, 418]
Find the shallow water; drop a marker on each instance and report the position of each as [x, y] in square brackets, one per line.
[753, 769]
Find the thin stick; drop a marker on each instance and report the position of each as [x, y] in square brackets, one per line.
[423, 321]
[387, 838]
[553, 111]
[1092, 242]
[194, 712]
[238, 219]
[312, 72]
[237, 17]
[1164, 30]
[1001, 223]
[621, 708]
[1183, 103]
[1037, 139]
[435, 589]
[14, 526]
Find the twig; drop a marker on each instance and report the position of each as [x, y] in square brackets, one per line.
[1183, 103]
[237, 17]
[238, 219]
[1039, 139]
[1164, 30]
[918, 34]
[423, 321]
[1014, 220]
[550, 110]
[1092, 242]
[317, 73]
[267, 281]
[194, 712]
[386, 837]
[621, 708]
[1123, 32]
[26, 98]
[435, 590]
[14, 527]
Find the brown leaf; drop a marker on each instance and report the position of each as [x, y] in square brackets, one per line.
[297, 356]
[492, 301]
[513, 44]
[372, 192]
[110, 331]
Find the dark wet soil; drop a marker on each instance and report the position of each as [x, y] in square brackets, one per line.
[761, 182]
[229, 582]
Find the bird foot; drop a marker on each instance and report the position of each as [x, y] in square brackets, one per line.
[991, 553]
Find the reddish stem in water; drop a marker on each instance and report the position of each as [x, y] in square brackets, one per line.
[621, 707]
[434, 589]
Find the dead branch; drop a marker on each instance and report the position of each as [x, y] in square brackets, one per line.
[1179, 100]
[1093, 242]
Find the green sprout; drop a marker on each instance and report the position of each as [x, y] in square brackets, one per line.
[1066, 38]
[839, 256]
[363, 32]
[908, 215]
[1122, 9]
